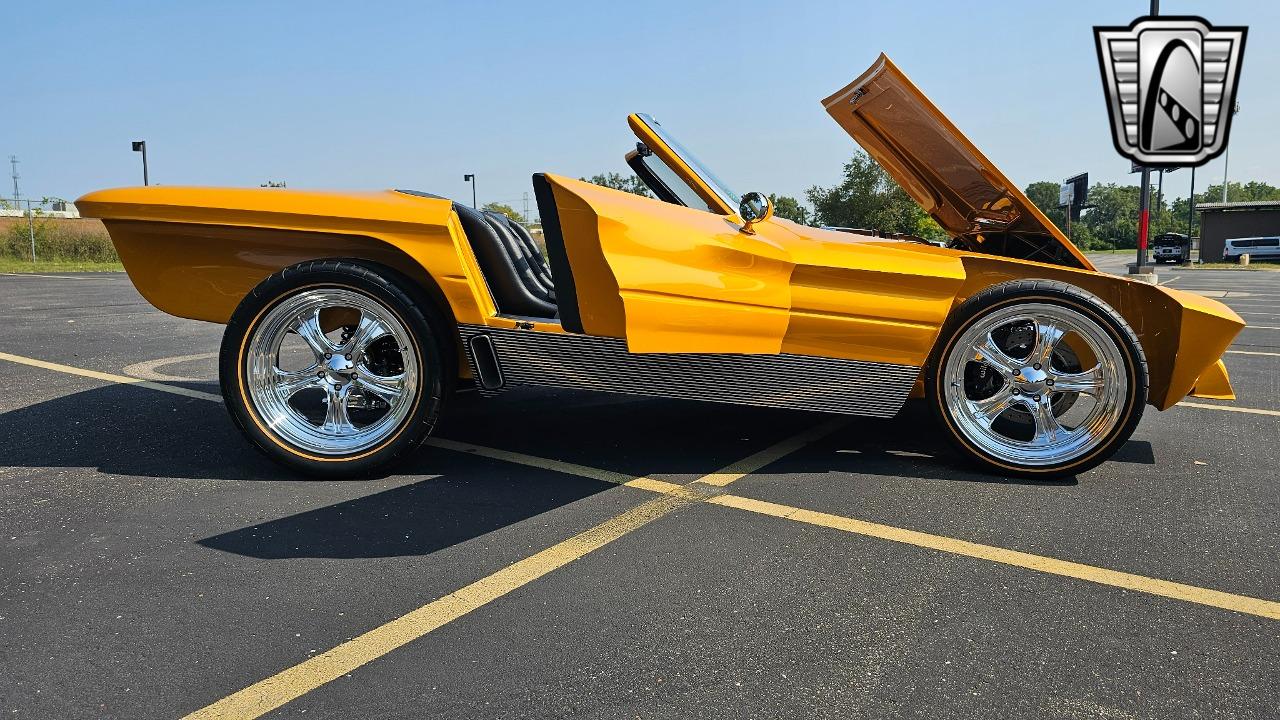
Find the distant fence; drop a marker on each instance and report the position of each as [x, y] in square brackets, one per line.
[52, 230]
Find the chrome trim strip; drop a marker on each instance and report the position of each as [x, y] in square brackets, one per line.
[798, 382]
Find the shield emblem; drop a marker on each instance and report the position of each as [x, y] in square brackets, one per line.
[1170, 84]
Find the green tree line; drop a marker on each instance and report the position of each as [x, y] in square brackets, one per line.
[867, 197]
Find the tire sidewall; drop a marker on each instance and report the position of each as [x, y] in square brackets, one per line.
[381, 284]
[1080, 301]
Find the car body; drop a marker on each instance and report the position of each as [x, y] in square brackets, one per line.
[1257, 248]
[1169, 247]
[695, 294]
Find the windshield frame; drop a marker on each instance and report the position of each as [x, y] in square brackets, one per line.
[717, 195]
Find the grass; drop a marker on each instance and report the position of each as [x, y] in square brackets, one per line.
[17, 265]
[1264, 267]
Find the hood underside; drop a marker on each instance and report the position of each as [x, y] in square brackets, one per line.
[942, 171]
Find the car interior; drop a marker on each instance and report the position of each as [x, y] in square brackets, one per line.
[519, 276]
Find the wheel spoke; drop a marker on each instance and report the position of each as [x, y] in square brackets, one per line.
[1048, 335]
[336, 420]
[1089, 382]
[369, 329]
[1048, 429]
[289, 384]
[988, 409]
[989, 352]
[386, 387]
[308, 328]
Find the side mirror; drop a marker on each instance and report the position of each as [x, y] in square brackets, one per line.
[754, 208]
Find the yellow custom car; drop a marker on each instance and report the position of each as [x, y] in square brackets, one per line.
[352, 317]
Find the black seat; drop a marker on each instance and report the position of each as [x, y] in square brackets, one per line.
[513, 266]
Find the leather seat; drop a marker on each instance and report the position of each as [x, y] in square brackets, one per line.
[513, 266]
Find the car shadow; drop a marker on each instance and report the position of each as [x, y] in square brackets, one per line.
[130, 431]
[470, 498]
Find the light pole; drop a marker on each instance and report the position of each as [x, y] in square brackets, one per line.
[1144, 202]
[1226, 154]
[472, 178]
[1191, 215]
[141, 146]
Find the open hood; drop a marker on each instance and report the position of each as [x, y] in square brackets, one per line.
[938, 167]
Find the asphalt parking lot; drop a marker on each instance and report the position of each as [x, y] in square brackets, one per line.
[633, 558]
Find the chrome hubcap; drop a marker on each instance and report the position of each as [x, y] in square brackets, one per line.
[331, 371]
[1036, 384]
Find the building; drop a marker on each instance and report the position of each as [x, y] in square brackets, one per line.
[54, 208]
[1220, 222]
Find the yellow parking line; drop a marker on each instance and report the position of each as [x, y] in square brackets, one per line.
[1229, 408]
[1252, 352]
[266, 695]
[293, 682]
[108, 377]
[1039, 563]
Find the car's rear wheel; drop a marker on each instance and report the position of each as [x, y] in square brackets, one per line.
[1038, 379]
[333, 368]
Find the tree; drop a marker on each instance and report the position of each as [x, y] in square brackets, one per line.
[626, 183]
[790, 208]
[867, 197]
[1044, 195]
[504, 209]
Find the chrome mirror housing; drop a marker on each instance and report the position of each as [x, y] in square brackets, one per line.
[754, 208]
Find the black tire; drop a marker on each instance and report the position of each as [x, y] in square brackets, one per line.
[1054, 293]
[428, 332]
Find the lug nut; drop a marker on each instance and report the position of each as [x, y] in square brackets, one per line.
[1016, 391]
[1036, 366]
[1049, 382]
[347, 356]
[1036, 398]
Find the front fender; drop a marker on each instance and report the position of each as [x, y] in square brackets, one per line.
[1182, 334]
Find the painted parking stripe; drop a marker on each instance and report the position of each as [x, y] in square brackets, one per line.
[150, 369]
[1230, 408]
[1004, 556]
[53, 277]
[1039, 563]
[109, 377]
[277, 690]
[1252, 352]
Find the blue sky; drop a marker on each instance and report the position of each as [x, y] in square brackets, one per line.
[414, 94]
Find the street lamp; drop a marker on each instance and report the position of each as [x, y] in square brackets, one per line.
[1226, 154]
[141, 146]
[472, 178]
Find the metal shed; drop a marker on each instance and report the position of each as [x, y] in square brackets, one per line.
[1222, 221]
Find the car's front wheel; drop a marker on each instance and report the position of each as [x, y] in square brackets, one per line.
[1038, 379]
[333, 368]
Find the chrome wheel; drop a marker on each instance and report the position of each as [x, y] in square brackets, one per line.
[1035, 384]
[331, 371]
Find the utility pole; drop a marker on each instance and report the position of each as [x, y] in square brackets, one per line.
[1144, 202]
[13, 163]
[526, 207]
[1191, 216]
[1226, 155]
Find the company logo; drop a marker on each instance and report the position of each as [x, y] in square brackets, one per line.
[1170, 84]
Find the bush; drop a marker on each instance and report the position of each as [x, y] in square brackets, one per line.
[55, 240]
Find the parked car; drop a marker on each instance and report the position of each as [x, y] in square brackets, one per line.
[351, 317]
[1257, 248]
[1169, 247]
